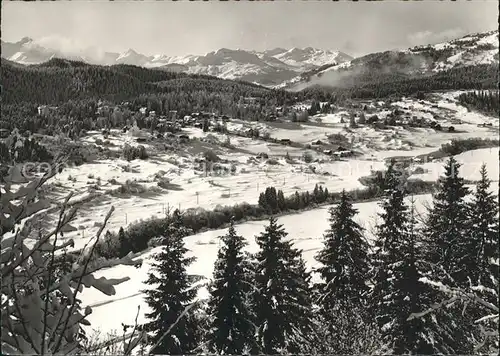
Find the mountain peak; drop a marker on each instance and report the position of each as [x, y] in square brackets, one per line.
[25, 40]
[130, 51]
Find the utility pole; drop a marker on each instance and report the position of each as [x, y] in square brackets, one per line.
[197, 198]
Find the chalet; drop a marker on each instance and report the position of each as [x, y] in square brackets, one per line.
[46, 110]
[317, 142]
[172, 115]
[342, 153]
[286, 141]
[451, 129]
[263, 155]
[404, 161]
[327, 152]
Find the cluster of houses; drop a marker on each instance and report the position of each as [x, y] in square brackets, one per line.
[339, 152]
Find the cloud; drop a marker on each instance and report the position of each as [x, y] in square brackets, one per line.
[428, 37]
[69, 47]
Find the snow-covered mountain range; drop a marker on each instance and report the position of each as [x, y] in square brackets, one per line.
[271, 67]
[294, 69]
[480, 48]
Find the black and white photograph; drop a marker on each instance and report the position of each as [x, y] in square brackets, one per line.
[249, 177]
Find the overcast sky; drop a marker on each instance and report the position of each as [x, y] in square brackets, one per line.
[180, 28]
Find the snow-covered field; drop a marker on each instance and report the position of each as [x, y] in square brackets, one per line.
[188, 188]
[471, 162]
[204, 246]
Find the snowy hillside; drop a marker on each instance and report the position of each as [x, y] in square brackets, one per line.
[470, 50]
[313, 57]
[204, 246]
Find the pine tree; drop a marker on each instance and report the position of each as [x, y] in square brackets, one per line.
[125, 245]
[447, 224]
[281, 201]
[483, 242]
[282, 294]
[344, 259]
[321, 195]
[170, 294]
[399, 292]
[316, 193]
[205, 125]
[231, 329]
[390, 233]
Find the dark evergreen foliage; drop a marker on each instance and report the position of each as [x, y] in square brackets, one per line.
[484, 101]
[446, 231]
[282, 294]
[381, 84]
[231, 329]
[483, 240]
[344, 260]
[125, 245]
[398, 290]
[171, 292]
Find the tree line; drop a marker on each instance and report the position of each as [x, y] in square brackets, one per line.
[266, 302]
[381, 84]
[487, 101]
[143, 234]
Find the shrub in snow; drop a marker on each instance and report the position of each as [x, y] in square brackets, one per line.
[41, 312]
[307, 157]
[211, 156]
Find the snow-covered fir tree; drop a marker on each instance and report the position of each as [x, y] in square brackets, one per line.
[483, 258]
[344, 259]
[172, 292]
[231, 329]
[482, 262]
[282, 297]
[446, 226]
[398, 291]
